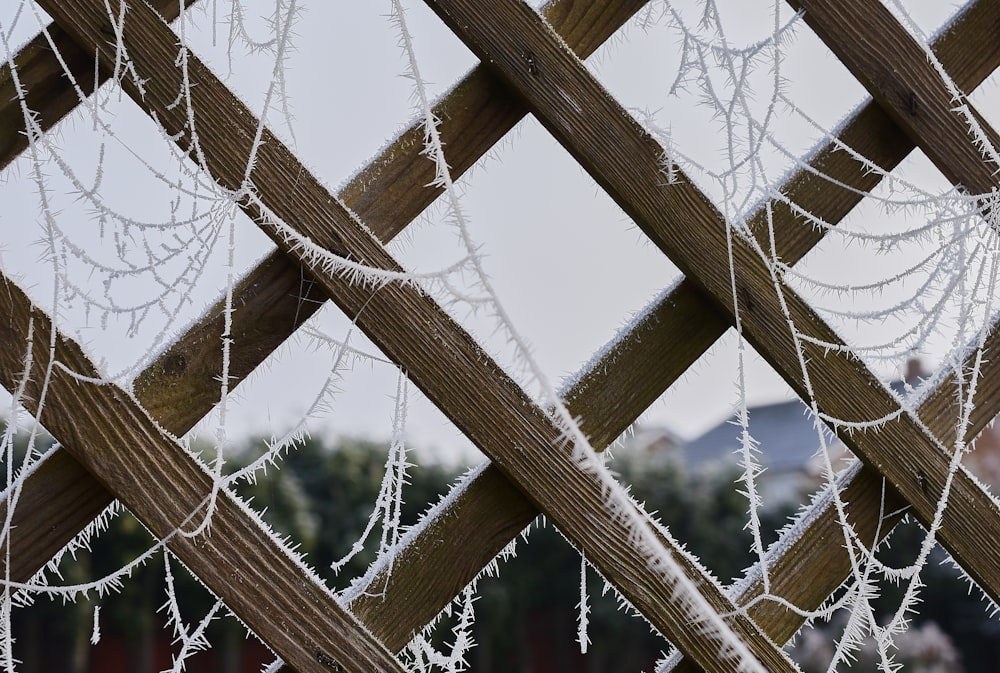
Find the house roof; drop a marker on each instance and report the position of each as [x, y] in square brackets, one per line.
[785, 433]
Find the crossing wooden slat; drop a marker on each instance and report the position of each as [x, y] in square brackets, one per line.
[110, 434]
[892, 65]
[816, 563]
[591, 390]
[181, 385]
[523, 441]
[874, 136]
[625, 160]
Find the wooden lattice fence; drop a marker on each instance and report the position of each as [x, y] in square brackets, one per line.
[116, 444]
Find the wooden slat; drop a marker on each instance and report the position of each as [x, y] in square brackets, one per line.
[447, 364]
[877, 130]
[980, 67]
[167, 489]
[625, 160]
[181, 385]
[892, 65]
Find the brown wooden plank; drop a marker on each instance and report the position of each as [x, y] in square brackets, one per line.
[661, 347]
[166, 488]
[411, 328]
[892, 65]
[977, 68]
[180, 386]
[625, 160]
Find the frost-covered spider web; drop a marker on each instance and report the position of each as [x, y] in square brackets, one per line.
[124, 240]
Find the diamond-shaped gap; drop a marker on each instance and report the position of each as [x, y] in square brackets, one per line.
[359, 402]
[20, 22]
[128, 185]
[565, 262]
[986, 98]
[640, 70]
[344, 71]
[849, 256]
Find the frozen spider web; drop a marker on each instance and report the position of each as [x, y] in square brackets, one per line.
[141, 268]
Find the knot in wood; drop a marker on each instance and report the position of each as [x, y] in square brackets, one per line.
[529, 59]
[174, 365]
[745, 300]
[328, 661]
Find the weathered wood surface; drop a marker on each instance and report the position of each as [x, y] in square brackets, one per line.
[522, 440]
[893, 146]
[625, 160]
[109, 433]
[181, 385]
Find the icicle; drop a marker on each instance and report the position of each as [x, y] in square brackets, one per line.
[95, 634]
[583, 607]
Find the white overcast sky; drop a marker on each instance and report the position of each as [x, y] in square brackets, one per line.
[569, 267]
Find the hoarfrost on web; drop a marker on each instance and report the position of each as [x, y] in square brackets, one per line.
[141, 270]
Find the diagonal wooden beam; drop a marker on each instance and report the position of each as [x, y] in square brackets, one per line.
[656, 339]
[110, 434]
[444, 361]
[181, 386]
[626, 161]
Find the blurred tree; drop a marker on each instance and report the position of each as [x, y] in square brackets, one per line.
[322, 497]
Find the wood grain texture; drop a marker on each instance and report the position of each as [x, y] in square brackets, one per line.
[872, 130]
[109, 433]
[455, 373]
[180, 386]
[892, 65]
[625, 160]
